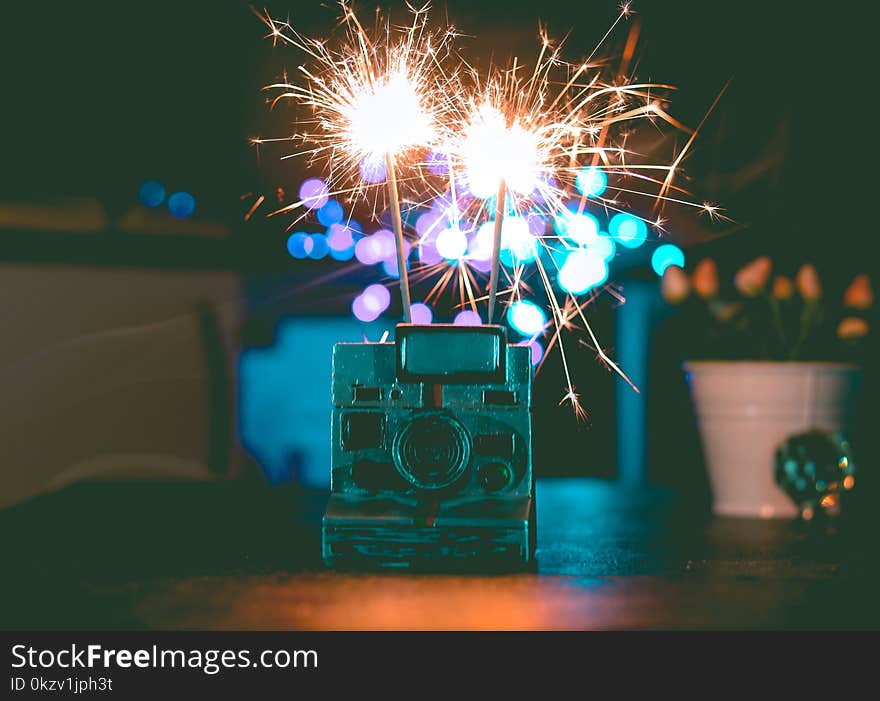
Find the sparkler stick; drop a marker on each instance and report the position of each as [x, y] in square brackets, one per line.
[378, 96]
[494, 271]
[399, 243]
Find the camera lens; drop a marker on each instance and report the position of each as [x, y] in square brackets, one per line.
[495, 476]
[432, 451]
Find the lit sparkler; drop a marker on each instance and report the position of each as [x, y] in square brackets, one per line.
[522, 139]
[376, 99]
[498, 150]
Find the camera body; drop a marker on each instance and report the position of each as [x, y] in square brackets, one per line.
[431, 451]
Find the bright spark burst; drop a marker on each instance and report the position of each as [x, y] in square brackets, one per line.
[540, 132]
[371, 95]
[387, 117]
[558, 136]
[494, 151]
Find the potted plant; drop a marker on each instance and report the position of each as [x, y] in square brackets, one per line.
[769, 360]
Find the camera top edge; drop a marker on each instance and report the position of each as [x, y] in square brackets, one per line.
[432, 355]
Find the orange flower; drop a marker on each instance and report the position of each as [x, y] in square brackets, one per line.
[706, 279]
[783, 287]
[808, 283]
[859, 294]
[751, 279]
[675, 285]
[852, 328]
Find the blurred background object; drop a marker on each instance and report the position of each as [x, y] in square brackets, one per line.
[285, 405]
[108, 373]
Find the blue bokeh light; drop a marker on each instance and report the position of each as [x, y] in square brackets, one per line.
[480, 244]
[583, 228]
[340, 237]
[468, 317]
[527, 318]
[314, 193]
[376, 248]
[428, 253]
[376, 298]
[181, 205]
[320, 247]
[389, 264]
[299, 244]
[430, 223]
[518, 243]
[628, 230]
[603, 246]
[389, 267]
[152, 193]
[666, 255]
[592, 181]
[421, 313]
[343, 255]
[582, 271]
[451, 243]
[331, 213]
[362, 311]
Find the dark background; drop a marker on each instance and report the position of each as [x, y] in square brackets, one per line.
[99, 97]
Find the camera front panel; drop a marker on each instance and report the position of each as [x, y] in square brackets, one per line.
[431, 454]
[415, 439]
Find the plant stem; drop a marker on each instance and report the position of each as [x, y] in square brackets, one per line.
[777, 322]
[806, 321]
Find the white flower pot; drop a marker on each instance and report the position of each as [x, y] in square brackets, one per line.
[746, 409]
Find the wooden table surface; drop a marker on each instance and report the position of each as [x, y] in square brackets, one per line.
[243, 556]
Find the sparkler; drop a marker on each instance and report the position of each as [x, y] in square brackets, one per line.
[506, 143]
[495, 264]
[531, 139]
[543, 135]
[497, 149]
[519, 139]
[376, 99]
